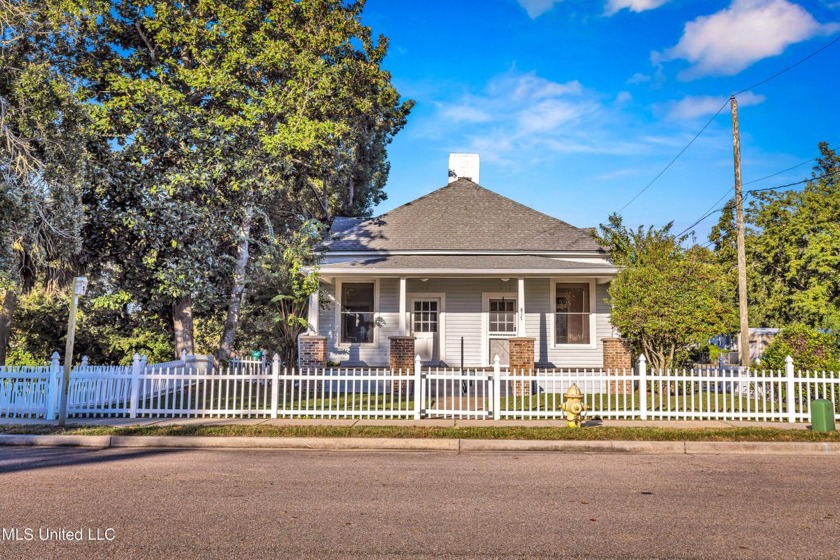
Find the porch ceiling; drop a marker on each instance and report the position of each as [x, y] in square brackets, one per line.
[466, 265]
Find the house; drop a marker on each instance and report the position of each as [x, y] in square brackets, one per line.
[459, 276]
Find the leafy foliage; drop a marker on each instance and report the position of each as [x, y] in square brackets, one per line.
[810, 349]
[172, 125]
[46, 154]
[666, 298]
[793, 250]
[276, 309]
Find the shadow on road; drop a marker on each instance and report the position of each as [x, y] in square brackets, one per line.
[14, 459]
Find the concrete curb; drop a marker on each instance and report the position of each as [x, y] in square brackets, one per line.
[68, 441]
[450, 445]
[762, 448]
[326, 444]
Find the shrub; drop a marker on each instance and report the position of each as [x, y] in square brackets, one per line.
[810, 349]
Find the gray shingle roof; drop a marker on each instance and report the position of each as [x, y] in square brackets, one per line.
[461, 216]
[466, 263]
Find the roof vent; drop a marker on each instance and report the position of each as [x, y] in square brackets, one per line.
[463, 166]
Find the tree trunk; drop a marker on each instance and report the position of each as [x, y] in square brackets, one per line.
[239, 275]
[182, 321]
[10, 301]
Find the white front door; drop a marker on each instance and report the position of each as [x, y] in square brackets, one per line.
[501, 325]
[425, 327]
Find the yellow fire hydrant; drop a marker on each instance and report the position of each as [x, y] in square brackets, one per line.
[573, 406]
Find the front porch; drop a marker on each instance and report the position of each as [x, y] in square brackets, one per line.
[460, 321]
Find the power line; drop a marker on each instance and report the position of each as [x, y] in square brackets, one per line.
[708, 212]
[706, 215]
[785, 186]
[753, 86]
[791, 67]
[782, 171]
[823, 176]
[687, 146]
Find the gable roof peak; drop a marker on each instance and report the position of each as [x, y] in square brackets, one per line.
[464, 215]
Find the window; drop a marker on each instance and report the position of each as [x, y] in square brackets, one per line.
[426, 316]
[357, 312]
[502, 315]
[571, 314]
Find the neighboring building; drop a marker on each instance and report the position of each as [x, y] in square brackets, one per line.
[760, 339]
[463, 263]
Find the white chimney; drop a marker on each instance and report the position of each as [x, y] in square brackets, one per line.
[463, 166]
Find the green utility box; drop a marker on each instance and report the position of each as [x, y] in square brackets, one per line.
[822, 416]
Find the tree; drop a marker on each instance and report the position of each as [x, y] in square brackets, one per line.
[666, 298]
[216, 106]
[793, 250]
[45, 158]
[796, 249]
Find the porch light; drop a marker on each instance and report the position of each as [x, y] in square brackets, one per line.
[505, 279]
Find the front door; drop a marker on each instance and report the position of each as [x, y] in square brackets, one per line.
[501, 325]
[425, 327]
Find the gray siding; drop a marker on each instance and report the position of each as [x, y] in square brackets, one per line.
[463, 313]
[387, 324]
[463, 318]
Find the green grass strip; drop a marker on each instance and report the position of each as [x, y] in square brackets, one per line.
[488, 432]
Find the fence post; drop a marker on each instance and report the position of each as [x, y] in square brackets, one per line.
[791, 398]
[275, 384]
[53, 380]
[497, 388]
[643, 406]
[418, 387]
[135, 386]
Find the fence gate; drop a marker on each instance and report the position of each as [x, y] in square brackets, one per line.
[452, 393]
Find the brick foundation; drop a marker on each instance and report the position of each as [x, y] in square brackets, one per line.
[618, 361]
[313, 352]
[521, 363]
[401, 358]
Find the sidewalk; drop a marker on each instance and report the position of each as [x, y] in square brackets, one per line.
[427, 423]
[451, 445]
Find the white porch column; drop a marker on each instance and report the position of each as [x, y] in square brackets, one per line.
[402, 307]
[520, 313]
[312, 312]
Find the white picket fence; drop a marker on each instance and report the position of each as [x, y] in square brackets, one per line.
[192, 387]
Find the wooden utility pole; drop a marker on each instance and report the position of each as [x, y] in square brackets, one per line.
[744, 344]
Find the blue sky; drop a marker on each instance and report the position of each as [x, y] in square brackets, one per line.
[576, 105]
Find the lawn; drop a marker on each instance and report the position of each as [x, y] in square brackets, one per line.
[489, 432]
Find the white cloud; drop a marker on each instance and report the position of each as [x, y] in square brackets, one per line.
[748, 31]
[623, 98]
[518, 115]
[550, 114]
[530, 87]
[638, 78]
[464, 113]
[614, 6]
[618, 174]
[536, 8]
[695, 106]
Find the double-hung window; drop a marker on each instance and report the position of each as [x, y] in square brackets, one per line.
[357, 313]
[571, 314]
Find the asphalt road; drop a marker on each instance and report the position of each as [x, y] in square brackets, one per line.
[297, 504]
